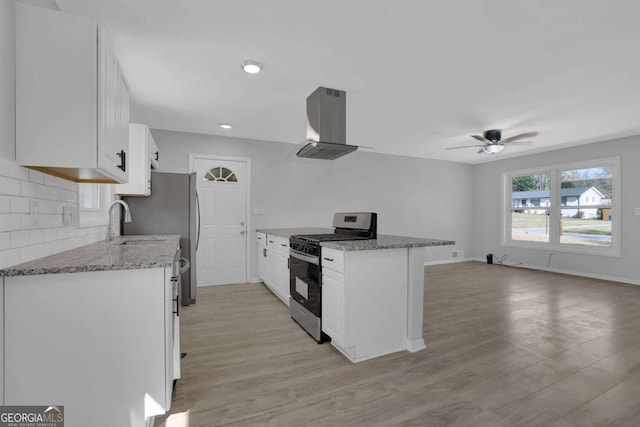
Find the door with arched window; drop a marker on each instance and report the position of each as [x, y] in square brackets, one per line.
[222, 192]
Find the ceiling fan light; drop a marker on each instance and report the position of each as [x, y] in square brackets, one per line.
[493, 148]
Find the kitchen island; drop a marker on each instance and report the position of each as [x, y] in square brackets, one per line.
[94, 329]
[372, 292]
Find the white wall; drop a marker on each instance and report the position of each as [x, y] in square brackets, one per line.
[7, 86]
[488, 209]
[413, 197]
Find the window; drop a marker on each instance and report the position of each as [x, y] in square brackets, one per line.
[220, 174]
[93, 202]
[88, 196]
[569, 207]
[528, 224]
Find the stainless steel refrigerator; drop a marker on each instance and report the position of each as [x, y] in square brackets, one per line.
[172, 208]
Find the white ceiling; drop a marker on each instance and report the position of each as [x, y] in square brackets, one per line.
[420, 76]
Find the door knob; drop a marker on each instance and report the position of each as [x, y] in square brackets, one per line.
[242, 232]
[242, 223]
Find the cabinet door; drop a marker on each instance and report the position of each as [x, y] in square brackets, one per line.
[154, 153]
[170, 308]
[333, 306]
[138, 163]
[123, 119]
[56, 92]
[110, 146]
[283, 275]
[149, 148]
[272, 268]
[262, 262]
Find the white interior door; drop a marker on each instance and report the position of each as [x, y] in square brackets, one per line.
[222, 250]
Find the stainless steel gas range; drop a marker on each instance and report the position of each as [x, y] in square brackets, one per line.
[305, 266]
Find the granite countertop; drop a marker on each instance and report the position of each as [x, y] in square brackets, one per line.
[385, 241]
[288, 232]
[101, 256]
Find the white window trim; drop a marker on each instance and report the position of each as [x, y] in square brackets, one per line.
[554, 218]
[100, 216]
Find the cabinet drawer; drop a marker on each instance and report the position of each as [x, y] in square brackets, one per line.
[333, 259]
[278, 243]
[261, 238]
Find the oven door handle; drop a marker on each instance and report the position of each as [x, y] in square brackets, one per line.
[304, 257]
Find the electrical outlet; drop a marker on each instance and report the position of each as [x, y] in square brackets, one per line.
[456, 254]
[68, 215]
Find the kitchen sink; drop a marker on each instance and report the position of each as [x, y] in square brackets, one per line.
[142, 242]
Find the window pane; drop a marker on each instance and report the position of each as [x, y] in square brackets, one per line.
[220, 174]
[530, 191]
[590, 186]
[89, 196]
[530, 200]
[579, 227]
[588, 196]
[530, 227]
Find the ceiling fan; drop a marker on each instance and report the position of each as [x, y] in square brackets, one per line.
[492, 142]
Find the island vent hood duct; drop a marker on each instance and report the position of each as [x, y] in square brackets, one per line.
[326, 125]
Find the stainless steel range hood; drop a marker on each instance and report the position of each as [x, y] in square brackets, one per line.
[326, 125]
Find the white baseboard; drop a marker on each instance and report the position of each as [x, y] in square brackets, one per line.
[559, 270]
[254, 280]
[448, 261]
[414, 346]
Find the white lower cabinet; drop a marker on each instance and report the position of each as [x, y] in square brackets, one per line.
[261, 243]
[364, 301]
[282, 275]
[273, 264]
[333, 305]
[90, 341]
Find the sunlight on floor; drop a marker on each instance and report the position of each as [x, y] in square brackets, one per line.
[180, 419]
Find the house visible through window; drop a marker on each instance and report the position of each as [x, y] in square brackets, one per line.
[568, 207]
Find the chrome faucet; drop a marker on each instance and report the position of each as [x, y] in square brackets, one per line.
[127, 217]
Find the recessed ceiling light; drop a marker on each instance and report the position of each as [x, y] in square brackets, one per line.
[225, 126]
[250, 66]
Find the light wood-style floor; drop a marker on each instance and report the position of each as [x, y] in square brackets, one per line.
[505, 347]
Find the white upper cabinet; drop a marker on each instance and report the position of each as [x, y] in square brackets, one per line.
[72, 105]
[142, 151]
[154, 153]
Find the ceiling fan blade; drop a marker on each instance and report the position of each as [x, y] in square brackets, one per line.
[465, 146]
[522, 135]
[519, 142]
[481, 138]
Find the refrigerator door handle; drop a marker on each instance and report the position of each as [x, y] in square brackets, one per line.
[198, 214]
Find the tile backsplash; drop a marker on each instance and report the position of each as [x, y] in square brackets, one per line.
[32, 224]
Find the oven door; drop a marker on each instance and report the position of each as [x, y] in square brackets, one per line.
[304, 280]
